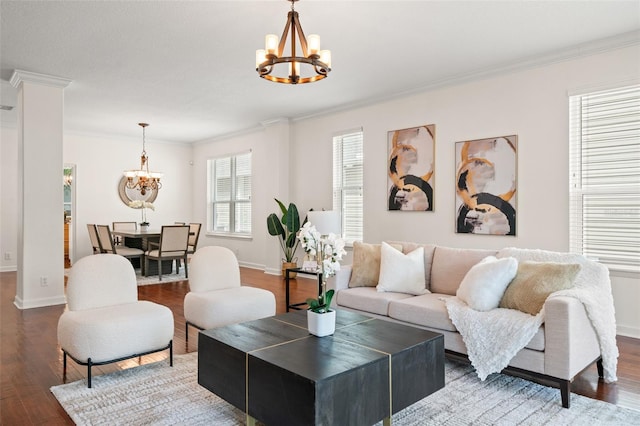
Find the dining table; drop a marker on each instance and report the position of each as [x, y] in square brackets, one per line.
[140, 239]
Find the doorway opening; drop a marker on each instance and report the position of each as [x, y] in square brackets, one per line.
[68, 202]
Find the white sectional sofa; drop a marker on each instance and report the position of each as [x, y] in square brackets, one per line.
[563, 346]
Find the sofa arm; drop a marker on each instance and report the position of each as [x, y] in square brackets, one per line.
[340, 280]
[571, 343]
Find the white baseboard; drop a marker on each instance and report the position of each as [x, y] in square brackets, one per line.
[39, 303]
[272, 271]
[622, 330]
[10, 268]
[251, 265]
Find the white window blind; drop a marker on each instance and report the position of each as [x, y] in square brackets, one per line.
[348, 179]
[605, 177]
[230, 195]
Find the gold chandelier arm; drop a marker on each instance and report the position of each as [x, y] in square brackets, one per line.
[285, 34]
[303, 39]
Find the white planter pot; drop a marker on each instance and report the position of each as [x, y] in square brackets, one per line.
[321, 324]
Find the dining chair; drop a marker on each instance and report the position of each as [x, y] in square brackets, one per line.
[174, 241]
[123, 226]
[108, 246]
[194, 235]
[93, 237]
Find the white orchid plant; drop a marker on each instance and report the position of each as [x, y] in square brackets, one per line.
[328, 250]
[144, 205]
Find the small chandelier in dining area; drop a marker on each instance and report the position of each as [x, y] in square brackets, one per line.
[316, 62]
[142, 179]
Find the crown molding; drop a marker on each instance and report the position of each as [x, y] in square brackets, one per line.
[226, 136]
[20, 76]
[574, 52]
[274, 121]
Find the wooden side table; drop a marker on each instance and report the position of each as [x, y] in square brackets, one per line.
[296, 306]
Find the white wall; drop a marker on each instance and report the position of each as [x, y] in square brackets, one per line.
[8, 198]
[100, 162]
[532, 104]
[270, 176]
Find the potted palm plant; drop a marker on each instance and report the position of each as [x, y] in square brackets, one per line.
[328, 251]
[286, 229]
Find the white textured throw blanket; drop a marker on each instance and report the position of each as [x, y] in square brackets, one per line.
[492, 338]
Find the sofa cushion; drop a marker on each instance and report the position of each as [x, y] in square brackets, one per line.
[366, 264]
[408, 247]
[450, 265]
[535, 281]
[483, 286]
[367, 299]
[402, 273]
[426, 310]
[431, 312]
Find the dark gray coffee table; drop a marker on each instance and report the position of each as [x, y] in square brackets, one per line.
[277, 373]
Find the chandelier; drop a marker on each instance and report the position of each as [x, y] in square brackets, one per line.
[317, 62]
[143, 180]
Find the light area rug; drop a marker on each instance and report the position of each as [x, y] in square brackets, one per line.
[166, 278]
[156, 394]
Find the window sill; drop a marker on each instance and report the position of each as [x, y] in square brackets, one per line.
[229, 235]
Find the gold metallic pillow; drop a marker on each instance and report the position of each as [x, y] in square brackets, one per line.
[535, 281]
[366, 264]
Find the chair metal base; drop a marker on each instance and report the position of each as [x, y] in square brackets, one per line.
[90, 363]
[186, 329]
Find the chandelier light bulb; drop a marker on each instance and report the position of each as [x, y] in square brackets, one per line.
[271, 43]
[294, 69]
[325, 56]
[313, 43]
[261, 56]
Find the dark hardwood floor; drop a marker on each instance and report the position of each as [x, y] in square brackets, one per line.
[31, 360]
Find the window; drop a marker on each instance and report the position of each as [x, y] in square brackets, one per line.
[348, 183]
[605, 177]
[230, 195]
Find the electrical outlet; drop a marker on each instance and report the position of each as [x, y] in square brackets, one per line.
[7, 255]
[44, 281]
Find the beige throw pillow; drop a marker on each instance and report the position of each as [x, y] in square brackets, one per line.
[535, 281]
[366, 264]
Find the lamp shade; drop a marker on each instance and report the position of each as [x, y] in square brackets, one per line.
[326, 221]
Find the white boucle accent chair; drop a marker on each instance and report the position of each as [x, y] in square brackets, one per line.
[217, 298]
[104, 321]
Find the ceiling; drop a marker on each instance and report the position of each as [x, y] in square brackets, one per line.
[188, 67]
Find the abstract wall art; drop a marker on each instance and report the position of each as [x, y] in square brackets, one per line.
[486, 186]
[410, 168]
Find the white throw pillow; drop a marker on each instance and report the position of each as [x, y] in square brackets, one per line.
[485, 283]
[401, 273]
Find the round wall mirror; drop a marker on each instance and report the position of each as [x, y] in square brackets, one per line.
[128, 195]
